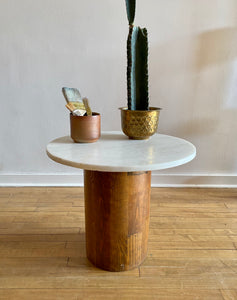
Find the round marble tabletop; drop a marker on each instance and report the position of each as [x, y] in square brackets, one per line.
[114, 152]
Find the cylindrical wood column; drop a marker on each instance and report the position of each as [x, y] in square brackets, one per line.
[117, 211]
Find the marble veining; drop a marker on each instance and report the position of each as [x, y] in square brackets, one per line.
[114, 152]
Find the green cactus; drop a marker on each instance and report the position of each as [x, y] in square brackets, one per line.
[131, 8]
[137, 58]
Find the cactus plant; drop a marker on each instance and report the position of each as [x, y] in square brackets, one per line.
[137, 59]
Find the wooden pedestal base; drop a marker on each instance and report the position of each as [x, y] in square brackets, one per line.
[117, 207]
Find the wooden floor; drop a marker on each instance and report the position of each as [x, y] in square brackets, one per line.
[192, 247]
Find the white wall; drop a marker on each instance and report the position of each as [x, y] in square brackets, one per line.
[47, 44]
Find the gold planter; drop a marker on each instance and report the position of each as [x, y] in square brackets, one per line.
[139, 124]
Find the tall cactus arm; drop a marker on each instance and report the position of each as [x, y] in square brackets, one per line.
[137, 71]
[129, 67]
[131, 8]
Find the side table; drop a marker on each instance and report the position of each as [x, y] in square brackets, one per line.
[117, 185]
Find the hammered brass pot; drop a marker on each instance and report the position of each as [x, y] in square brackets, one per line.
[139, 124]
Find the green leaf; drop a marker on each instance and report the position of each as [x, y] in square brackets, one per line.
[131, 8]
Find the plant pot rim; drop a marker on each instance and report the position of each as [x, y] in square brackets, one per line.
[94, 114]
[150, 109]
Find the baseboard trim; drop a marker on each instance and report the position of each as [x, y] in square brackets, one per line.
[180, 180]
[32, 179]
[158, 180]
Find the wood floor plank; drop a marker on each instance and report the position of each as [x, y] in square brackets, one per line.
[209, 245]
[9, 245]
[194, 238]
[108, 293]
[184, 268]
[55, 267]
[229, 294]
[194, 213]
[192, 224]
[111, 281]
[189, 220]
[193, 231]
[193, 254]
[22, 228]
[56, 251]
[192, 249]
[78, 237]
[16, 208]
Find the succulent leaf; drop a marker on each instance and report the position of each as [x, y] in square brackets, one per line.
[137, 70]
[131, 8]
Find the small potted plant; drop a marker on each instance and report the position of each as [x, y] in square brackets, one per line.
[139, 121]
[84, 124]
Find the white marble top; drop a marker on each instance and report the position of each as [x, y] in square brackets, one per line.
[114, 152]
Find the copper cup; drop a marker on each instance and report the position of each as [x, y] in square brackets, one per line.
[85, 129]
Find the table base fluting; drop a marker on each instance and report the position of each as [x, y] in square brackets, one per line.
[117, 212]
